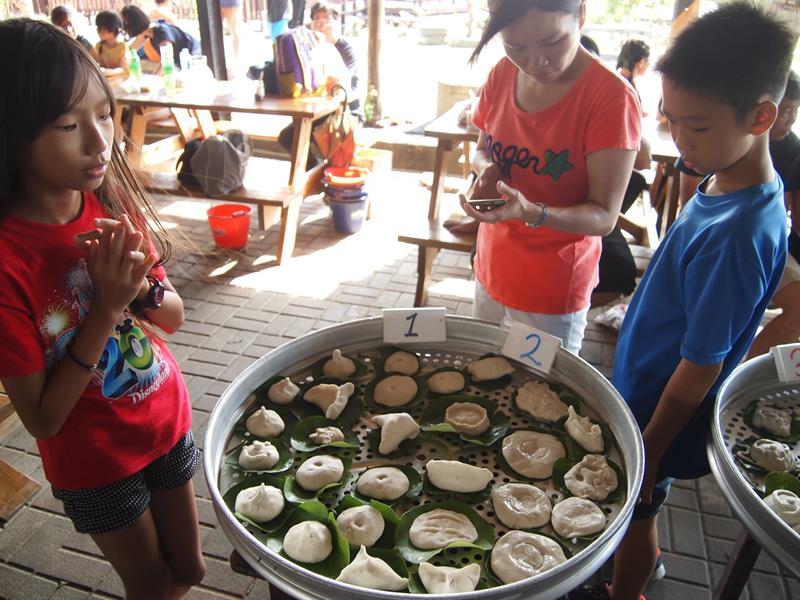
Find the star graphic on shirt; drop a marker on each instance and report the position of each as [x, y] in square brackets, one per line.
[557, 164]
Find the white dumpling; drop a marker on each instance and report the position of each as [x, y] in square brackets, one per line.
[395, 390]
[772, 456]
[449, 580]
[519, 555]
[582, 430]
[467, 417]
[487, 369]
[326, 435]
[456, 476]
[774, 420]
[338, 365]
[308, 542]
[540, 402]
[577, 517]
[446, 382]
[383, 483]
[786, 505]
[438, 527]
[395, 428]
[401, 362]
[331, 398]
[258, 456]
[265, 423]
[532, 454]
[318, 471]
[521, 506]
[260, 503]
[371, 572]
[361, 525]
[591, 478]
[283, 392]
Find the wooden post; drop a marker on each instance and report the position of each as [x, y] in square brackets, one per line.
[375, 20]
[210, 19]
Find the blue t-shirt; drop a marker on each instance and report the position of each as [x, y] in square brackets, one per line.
[702, 298]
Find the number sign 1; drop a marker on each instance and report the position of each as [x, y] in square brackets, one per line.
[787, 361]
[531, 347]
[411, 325]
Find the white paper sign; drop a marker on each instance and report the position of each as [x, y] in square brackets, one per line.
[412, 325]
[532, 347]
[787, 361]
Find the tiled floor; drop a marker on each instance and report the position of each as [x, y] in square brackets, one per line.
[239, 307]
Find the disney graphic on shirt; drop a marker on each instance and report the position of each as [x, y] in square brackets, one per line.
[556, 163]
[130, 365]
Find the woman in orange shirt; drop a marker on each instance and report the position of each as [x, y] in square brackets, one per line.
[559, 135]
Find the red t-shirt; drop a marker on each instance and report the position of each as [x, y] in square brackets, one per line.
[543, 155]
[136, 407]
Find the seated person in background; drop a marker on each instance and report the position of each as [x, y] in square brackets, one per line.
[61, 16]
[784, 148]
[163, 12]
[160, 34]
[111, 53]
[135, 24]
[617, 266]
[340, 67]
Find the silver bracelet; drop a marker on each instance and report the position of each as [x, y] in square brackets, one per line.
[540, 222]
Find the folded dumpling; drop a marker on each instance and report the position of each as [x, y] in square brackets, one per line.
[540, 402]
[371, 572]
[591, 478]
[577, 517]
[532, 454]
[449, 580]
[456, 476]
[786, 505]
[395, 428]
[772, 456]
[331, 398]
[439, 527]
[774, 420]
[582, 430]
[490, 368]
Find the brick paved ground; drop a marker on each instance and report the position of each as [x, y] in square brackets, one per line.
[237, 309]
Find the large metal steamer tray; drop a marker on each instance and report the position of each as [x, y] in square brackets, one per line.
[467, 339]
[756, 379]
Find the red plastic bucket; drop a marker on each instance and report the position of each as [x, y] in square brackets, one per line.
[230, 225]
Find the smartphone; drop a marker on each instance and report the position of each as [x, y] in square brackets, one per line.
[484, 204]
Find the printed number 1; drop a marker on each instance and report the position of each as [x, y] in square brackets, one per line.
[411, 333]
[529, 354]
[795, 354]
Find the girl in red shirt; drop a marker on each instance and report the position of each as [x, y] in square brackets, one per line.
[559, 135]
[81, 287]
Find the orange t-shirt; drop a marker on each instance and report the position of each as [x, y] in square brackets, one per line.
[543, 155]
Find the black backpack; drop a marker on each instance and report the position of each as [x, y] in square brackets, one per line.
[184, 164]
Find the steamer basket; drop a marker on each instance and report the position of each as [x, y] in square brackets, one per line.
[756, 379]
[466, 338]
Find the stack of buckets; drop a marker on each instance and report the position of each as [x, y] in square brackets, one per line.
[346, 194]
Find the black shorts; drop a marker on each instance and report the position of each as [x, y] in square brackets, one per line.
[660, 494]
[117, 505]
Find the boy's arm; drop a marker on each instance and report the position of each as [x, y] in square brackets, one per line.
[684, 392]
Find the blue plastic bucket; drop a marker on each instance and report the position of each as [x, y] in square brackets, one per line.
[348, 217]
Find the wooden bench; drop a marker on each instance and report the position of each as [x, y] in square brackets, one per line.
[16, 488]
[276, 203]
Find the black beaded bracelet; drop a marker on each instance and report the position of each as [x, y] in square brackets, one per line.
[542, 218]
[91, 367]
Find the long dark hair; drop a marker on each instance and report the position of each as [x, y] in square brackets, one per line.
[45, 75]
[632, 52]
[503, 13]
[134, 20]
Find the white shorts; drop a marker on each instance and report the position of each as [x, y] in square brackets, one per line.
[569, 327]
[791, 272]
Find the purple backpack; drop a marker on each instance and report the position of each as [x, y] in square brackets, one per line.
[297, 73]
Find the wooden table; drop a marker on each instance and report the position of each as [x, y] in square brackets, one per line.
[665, 189]
[430, 236]
[221, 96]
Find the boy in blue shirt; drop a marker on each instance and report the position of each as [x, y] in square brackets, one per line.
[697, 307]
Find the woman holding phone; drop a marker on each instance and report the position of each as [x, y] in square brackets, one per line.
[559, 135]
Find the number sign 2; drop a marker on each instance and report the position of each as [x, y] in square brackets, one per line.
[531, 347]
[412, 325]
[787, 361]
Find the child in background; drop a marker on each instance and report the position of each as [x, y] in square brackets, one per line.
[82, 289]
[111, 53]
[699, 304]
[61, 16]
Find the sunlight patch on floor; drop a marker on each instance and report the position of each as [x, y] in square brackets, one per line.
[458, 288]
[194, 210]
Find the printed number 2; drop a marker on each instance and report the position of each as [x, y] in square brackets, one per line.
[795, 356]
[529, 354]
[411, 333]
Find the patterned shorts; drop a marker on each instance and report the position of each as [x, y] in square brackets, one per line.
[117, 505]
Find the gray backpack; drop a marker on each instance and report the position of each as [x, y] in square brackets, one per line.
[220, 161]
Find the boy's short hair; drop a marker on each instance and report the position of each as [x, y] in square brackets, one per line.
[109, 20]
[735, 54]
[792, 87]
[319, 7]
[60, 14]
